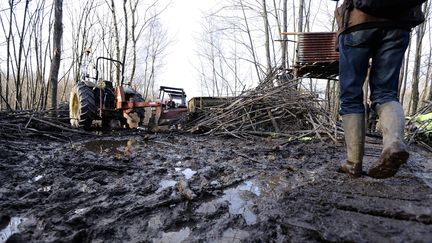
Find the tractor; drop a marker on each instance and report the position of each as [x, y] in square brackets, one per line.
[116, 104]
[173, 106]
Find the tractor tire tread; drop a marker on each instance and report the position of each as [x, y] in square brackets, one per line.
[87, 107]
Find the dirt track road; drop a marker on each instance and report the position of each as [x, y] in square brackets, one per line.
[169, 188]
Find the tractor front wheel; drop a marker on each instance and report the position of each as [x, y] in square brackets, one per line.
[82, 107]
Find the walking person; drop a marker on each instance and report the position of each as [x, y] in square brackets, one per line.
[378, 31]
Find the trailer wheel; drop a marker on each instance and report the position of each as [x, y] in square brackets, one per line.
[82, 107]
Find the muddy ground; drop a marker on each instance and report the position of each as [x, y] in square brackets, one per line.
[137, 187]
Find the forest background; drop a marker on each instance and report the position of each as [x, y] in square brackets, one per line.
[211, 48]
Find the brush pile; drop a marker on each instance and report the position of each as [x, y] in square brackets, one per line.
[420, 127]
[282, 111]
[37, 124]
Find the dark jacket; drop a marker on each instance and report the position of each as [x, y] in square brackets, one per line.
[351, 19]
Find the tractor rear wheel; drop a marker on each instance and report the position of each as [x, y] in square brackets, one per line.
[82, 107]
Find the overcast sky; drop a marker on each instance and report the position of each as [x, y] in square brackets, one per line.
[182, 19]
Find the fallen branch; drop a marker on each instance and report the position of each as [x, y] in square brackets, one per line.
[61, 127]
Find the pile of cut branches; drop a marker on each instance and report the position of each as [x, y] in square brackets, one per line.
[36, 124]
[281, 111]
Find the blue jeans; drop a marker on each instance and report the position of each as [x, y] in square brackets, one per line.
[386, 47]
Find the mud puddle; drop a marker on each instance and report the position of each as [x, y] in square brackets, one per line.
[10, 226]
[426, 178]
[243, 199]
[240, 201]
[107, 146]
[173, 237]
[163, 184]
[188, 173]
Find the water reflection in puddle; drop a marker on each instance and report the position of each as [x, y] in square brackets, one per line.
[274, 186]
[37, 178]
[240, 200]
[11, 228]
[45, 189]
[188, 173]
[110, 146]
[165, 184]
[234, 235]
[171, 237]
[426, 177]
[81, 210]
[237, 205]
[250, 186]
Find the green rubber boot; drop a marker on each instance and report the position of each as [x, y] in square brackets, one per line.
[354, 129]
[394, 154]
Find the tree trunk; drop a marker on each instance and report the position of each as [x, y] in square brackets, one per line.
[117, 40]
[327, 95]
[256, 64]
[405, 78]
[416, 71]
[430, 90]
[55, 62]
[126, 38]
[285, 38]
[133, 8]
[267, 37]
[426, 88]
[18, 83]
[334, 23]
[8, 54]
[300, 21]
[299, 29]
[429, 74]
[336, 102]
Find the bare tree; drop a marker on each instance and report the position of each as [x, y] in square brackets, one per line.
[8, 50]
[19, 61]
[83, 24]
[266, 37]
[219, 71]
[117, 37]
[285, 38]
[404, 77]
[134, 35]
[140, 23]
[251, 43]
[30, 44]
[19, 31]
[36, 91]
[426, 90]
[126, 32]
[55, 62]
[429, 76]
[156, 43]
[300, 18]
[421, 29]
